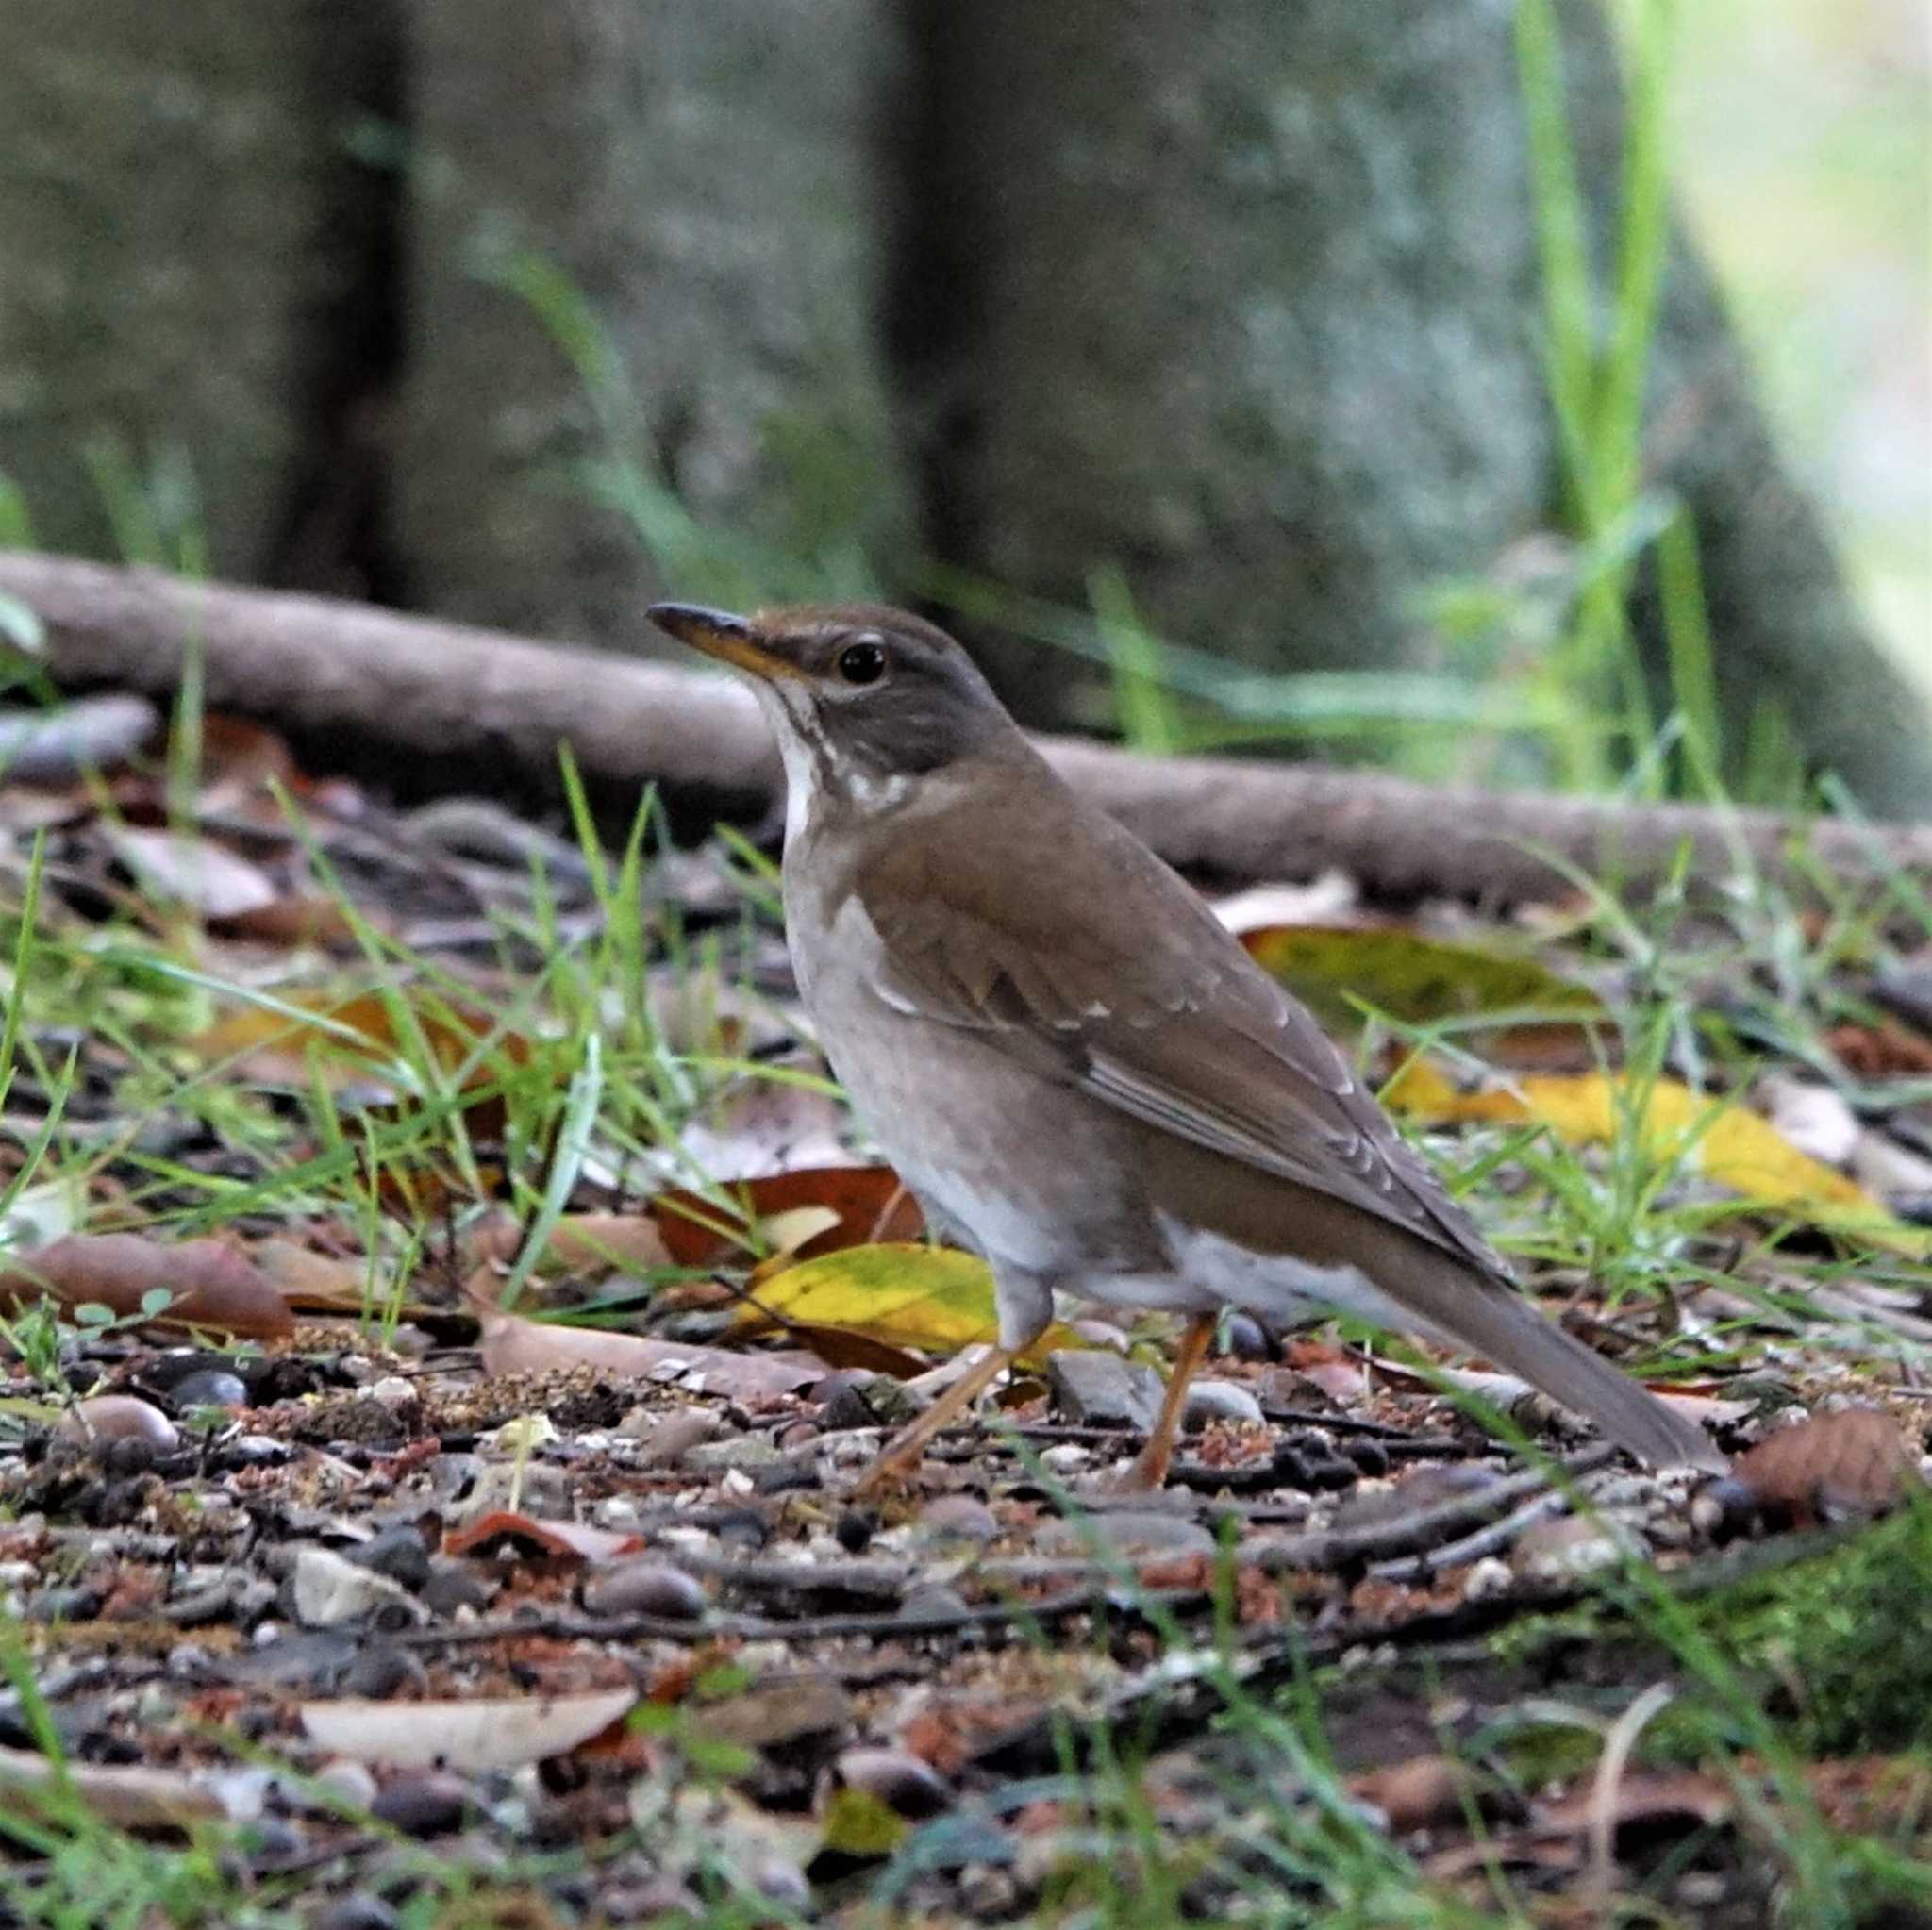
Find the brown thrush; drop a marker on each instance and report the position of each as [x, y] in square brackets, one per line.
[1071, 1064]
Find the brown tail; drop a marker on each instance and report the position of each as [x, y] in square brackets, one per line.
[1491, 1318]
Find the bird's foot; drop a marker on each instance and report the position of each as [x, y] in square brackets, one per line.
[1145, 1474]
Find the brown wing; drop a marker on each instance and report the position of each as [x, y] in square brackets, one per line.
[1146, 1002]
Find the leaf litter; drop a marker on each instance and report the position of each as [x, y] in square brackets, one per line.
[384, 1439]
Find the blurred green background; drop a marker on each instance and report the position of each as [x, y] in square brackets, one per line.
[1803, 130]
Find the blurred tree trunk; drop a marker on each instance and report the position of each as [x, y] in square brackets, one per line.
[1250, 302]
[701, 176]
[179, 212]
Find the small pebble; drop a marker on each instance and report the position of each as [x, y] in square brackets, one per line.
[741, 1527]
[932, 1602]
[345, 1781]
[1097, 1390]
[392, 1391]
[327, 1590]
[1126, 1531]
[741, 1452]
[397, 1552]
[452, 1587]
[643, 1587]
[430, 1803]
[956, 1518]
[381, 1669]
[1219, 1400]
[1574, 1545]
[64, 1605]
[1427, 1488]
[664, 1438]
[209, 1387]
[1246, 1339]
[854, 1530]
[119, 1417]
[358, 1913]
[1066, 1458]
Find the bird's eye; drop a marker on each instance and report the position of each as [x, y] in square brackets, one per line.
[863, 663]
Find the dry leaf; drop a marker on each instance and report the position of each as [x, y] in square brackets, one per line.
[929, 1297]
[128, 1795]
[511, 1344]
[357, 1036]
[1650, 1799]
[580, 1242]
[212, 1285]
[576, 1541]
[1854, 1462]
[1420, 1792]
[464, 1736]
[194, 872]
[1412, 978]
[1727, 1144]
[870, 1203]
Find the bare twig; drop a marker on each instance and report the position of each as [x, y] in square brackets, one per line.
[459, 700]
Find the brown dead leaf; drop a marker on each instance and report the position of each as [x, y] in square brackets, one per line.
[871, 1202]
[295, 918]
[1888, 1050]
[465, 1735]
[580, 1242]
[512, 1345]
[212, 1284]
[1854, 1462]
[357, 1036]
[575, 1540]
[236, 753]
[1421, 1792]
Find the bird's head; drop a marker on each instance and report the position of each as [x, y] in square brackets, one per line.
[857, 694]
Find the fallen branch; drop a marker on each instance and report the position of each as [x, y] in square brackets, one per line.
[454, 704]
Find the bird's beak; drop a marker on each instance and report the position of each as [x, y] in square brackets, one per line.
[739, 641]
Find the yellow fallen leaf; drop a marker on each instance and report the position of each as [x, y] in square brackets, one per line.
[1727, 1144]
[857, 1823]
[929, 1297]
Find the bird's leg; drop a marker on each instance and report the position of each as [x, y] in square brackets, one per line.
[901, 1455]
[1150, 1466]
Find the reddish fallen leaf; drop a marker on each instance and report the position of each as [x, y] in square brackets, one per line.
[294, 917]
[511, 1344]
[1855, 1462]
[238, 752]
[872, 1203]
[212, 1285]
[576, 1541]
[1421, 1792]
[1335, 1372]
[465, 1735]
[1888, 1050]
